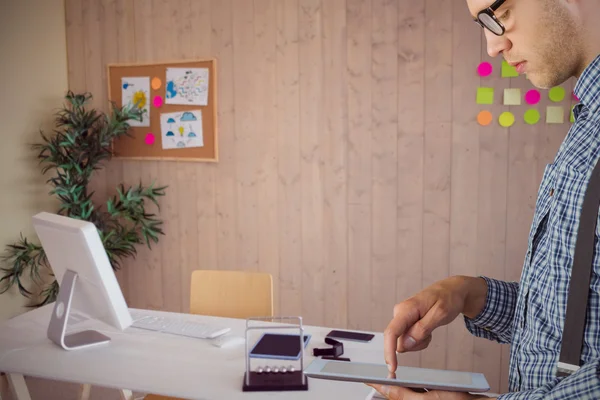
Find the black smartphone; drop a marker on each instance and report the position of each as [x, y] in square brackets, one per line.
[349, 335]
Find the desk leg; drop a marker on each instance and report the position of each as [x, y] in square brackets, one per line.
[18, 386]
[84, 391]
[3, 385]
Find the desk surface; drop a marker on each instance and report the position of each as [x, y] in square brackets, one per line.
[153, 362]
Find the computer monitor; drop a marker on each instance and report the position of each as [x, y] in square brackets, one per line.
[87, 282]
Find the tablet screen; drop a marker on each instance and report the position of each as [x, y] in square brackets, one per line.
[282, 346]
[403, 373]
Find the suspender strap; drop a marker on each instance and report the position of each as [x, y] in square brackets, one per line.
[579, 287]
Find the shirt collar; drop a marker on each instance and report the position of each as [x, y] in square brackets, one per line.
[587, 88]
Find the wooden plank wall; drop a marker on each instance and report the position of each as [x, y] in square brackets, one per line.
[351, 166]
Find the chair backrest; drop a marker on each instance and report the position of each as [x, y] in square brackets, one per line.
[232, 294]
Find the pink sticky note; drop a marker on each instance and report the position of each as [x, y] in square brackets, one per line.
[575, 97]
[532, 96]
[157, 101]
[484, 69]
[149, 138]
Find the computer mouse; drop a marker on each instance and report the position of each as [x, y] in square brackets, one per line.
[225, 341]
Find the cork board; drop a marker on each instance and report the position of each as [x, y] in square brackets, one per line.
[180, 110]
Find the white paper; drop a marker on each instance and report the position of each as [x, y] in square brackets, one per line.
[187, 86]
[137, 89]
[181, 129]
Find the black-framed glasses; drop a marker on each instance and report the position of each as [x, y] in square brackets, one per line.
[487, 19]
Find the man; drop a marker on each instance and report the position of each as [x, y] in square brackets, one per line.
[550, 41]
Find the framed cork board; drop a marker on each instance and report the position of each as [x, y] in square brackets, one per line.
[179, 104]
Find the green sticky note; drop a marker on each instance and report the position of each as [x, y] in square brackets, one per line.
[572, 118]
[508, 71]
[485, 95]
[556, 94]
[512, 97]
[531, 116]
[506, 119]
[555, 115]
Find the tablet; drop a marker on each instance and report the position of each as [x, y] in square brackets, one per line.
[279, 346]
[417, 378]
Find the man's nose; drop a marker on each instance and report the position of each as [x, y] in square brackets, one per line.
[496, 44]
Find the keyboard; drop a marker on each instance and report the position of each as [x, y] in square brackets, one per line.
[179, 326]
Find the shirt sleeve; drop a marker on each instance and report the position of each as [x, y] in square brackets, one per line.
[495, 321]
[583, 384]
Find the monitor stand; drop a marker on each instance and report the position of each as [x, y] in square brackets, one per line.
[60, 317]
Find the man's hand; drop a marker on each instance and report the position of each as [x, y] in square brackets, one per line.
[439, 304]
[400, 393]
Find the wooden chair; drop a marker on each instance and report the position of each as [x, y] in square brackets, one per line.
[232, 294]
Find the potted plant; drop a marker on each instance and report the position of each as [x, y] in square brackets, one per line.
[81, 143]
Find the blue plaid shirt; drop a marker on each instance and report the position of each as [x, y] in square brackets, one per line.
[530, 314]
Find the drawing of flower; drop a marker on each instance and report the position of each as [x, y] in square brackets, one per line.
[139, 99]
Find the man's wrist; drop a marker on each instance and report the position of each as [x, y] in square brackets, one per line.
[475, 298]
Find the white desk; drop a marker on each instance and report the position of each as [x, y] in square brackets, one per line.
[158, 363]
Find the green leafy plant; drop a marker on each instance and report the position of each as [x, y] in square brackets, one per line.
[80, 145]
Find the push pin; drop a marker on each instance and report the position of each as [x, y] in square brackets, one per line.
[291, 368]
[275, 370]
[268, 369]
[283, 370]
[260, 370]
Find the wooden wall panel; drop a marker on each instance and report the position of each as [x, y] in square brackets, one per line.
[221, 40]
[265, 97]
[287, 121]
[410, 155]
[358, 170]
[437, 165]
[384, 147]
[351, 166]
[310, 31]
[465, 170]
[334, 150]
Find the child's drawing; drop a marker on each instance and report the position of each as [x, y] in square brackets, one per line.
[136, 91]
[181, 129]
[187, 86]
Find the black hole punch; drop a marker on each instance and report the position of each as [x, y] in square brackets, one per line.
[332, 353]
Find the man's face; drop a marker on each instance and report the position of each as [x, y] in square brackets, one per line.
[540, 39]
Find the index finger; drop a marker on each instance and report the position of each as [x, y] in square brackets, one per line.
[396, 328]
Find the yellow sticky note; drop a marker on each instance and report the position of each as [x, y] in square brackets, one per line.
[508, 71]
[506, 119]
[572, 118]
[485, 95]
[512, 97]
[555, 115]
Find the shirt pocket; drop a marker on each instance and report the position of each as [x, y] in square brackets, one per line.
[565, 212]
[568, 192]
[544, 198]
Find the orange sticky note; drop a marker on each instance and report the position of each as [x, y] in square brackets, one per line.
[484, 118]
[156, 83]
